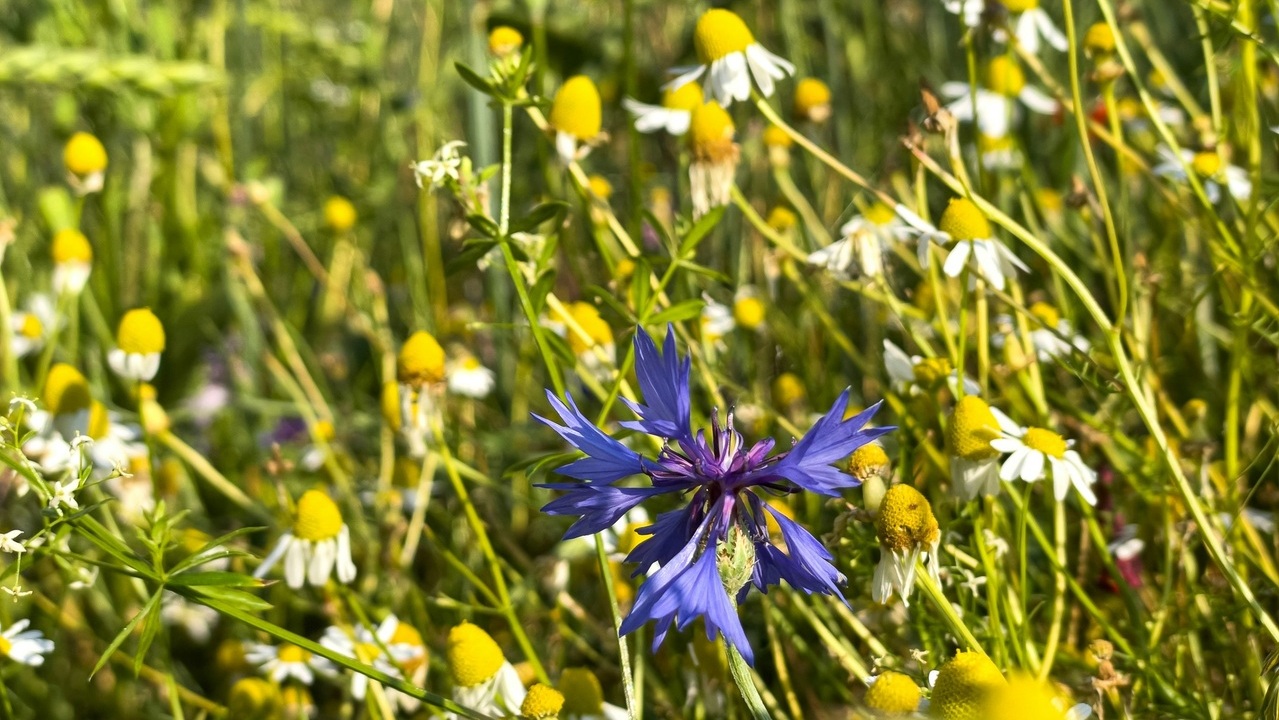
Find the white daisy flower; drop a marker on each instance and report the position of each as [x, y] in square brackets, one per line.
[30, 328]
[72, 261]
[362, 645]
[576, 118]
[1209, 167]
[715, 156]
[964, 225]
[999, 101]
[25, 646]
[1031, 25]
[284, 661]
[139, 342]
[467, 377]
[1033, 451]
[483, 679]
[921, 374]
[673, 115]
[717, 320]
[907, 531]
[865, 240]
[1052, 337]
[318, 543]
[727, 49]
[444, 166]
[408, 651]
[9, 543]
[974, 464]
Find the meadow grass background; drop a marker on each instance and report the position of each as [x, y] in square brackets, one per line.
[229, 123]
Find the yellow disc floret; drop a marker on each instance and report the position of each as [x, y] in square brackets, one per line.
[1004, 76]
[930, 371]
[406, 634]
[868, 460]
[906, 520]
[140, 332]
[776, 137]
[318, 517]
[504, 40]
[1018, 6]
[711, 133]
[893, 695]
[782, 219]
[253, 699]
[1046, 442]
[290, 653]
[588, 319]
[1022, 698]
[1099, 40]
[473, 655]
[748, 312]
[542, 701]
[339, 213]
[582, 692]
[963, 220]
[71, 246]
[421, 360]
[1046, 314]
[788, 389]
[972, 427]
[65, 390]
[686, 97]
[576, 108]
[1206, 163]
[84, 154]
[31, 327]
[720, 33]
[99, 421]
[599, 187]
[880, 214]
[812, 99]
[962, 686]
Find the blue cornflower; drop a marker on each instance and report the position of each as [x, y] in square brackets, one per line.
[712, 550]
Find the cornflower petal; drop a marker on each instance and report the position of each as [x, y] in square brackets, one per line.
[663, 379]
[606, 461]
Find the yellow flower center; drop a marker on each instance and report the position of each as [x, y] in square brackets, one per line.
[318, 517]
[5, 646]
[972, 427]
[1004, 76]
[290, 653]
[711, 133]
[777, 137]
[339, 213]
[542, 701]
[504, 40]
[253, 699]
[963, 220]
[140, 332]
[1099, 40]
[1046, 442]
[867, 460]
[1020, 5]
[880, 214]
[31, 327]
[893, 695]
[720, 33]
[1046, 314]
[473, 655]
[962, 686]
[324, 430]
[597, 330]
[686, 97]
[576, 108]
[812, 99]
[1050, 200]
[71, 246]
[990, 144]
[931, 371]
[367, 652]
[296, 698]
[788, 389]
[599, 187]
[421, 360]
[406, 634]
[906, 520]
[1206, 163]
[1022, 698]
[99, 421]
[65, 390]
[748, 312]
[582, 692]
[84, 154]
[782, 219]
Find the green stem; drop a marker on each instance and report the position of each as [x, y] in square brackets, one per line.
[746, 684]
[939, 601]
[624, 655]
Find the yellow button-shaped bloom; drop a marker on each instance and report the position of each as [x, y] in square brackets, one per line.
[421, 360]
[906, 520]
[972, 427]
[541, 702]
[599, 187]
[339, 213]
[1046, 442]
[962, 687]
[140, 332]
[318, 517]
[1004, 76]
[84, 155]
[473, 655]
[1099, 40]
[812, 99]
[588, 319]
[685, 97]
[868, 460]
[963, 220]
[893, 695]
[782, 219]
[775, 137]
[748, 312]
[1023, 698]
[720, 33]
[70, 246]
[582, 692]
[576, 108]
[65, 390]
[711, 133]
[505, 40]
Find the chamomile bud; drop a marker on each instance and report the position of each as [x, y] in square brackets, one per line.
[576, 118]
[715, 157]
[421, 360]
[505, 41]
[86, 162]
[72, 261]
[542, 703]
[482, 677]
[974, 469]
[812, 100]
[140, 340]
[892, 694]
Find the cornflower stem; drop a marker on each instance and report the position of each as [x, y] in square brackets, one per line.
[1133, 386]
[949, 616]
[746, 684]
[623, 653]
[486, 548]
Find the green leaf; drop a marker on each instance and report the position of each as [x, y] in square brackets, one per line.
[612, 302]
[128, 630]
[466, 259]
[215, 578]
[699, 230]
[484, 225]
[537, 216]
[475, 80]
[537, 294]
[230, 596]
[679, 311]
[150, 627]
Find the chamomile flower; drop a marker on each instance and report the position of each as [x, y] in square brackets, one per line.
[196, 620]
[998, 102]
[339, 214]
[483, 680]
[963, 686]
[1033, 25]
[921, 374]
[966, 226]
[673, 115]
[505, 41]
[139, 342]
[72, 261]
[29, 328]
[253, 698]
[408, 651]
[444, 167]
[715, 157]
[812, 100]
[86, 161]
[584, 697]
[421, 361]
[591, 336]
[542, 702]
[717, 321]
[727, 49]
[576, 118]
[893, 695]
[1052, 336]
[974, 466]
[362, 644]
[24, 646]
[1024, 697]
[408, 413]
[318, 542]
[907, 531]
[468, 377]
[999, 153]
[865, 241]
[1209, 167]
[1033, 451]
[749, 311]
